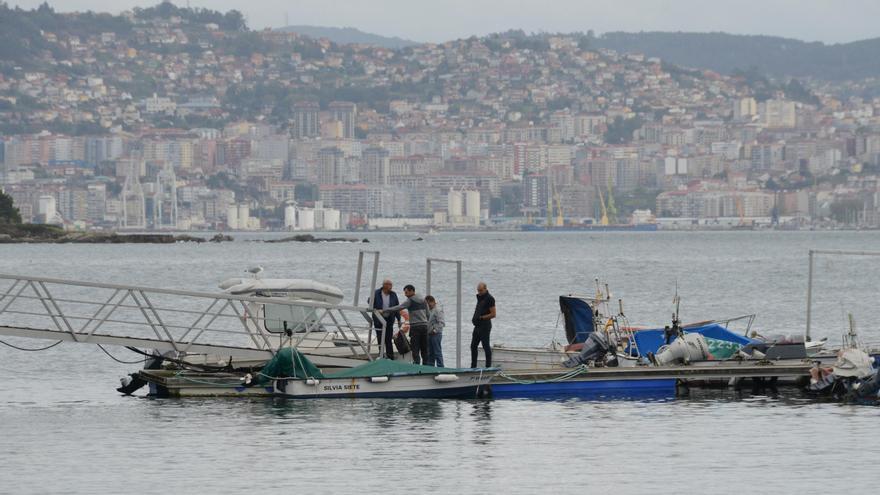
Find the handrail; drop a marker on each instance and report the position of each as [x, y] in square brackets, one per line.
[50, 307]
[175, 292]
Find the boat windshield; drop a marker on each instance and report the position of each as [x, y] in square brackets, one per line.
[298, 319]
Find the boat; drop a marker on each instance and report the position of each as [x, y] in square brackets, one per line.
[292, 375]
[588, 322]
[853, 377]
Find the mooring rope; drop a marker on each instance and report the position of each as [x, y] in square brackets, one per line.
[119, 360]
[582, 369]
[31, 350]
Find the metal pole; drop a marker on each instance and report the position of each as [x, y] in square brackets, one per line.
[809, 297]
[428, 276]
[357, 283]
[375, 273]
[428, 268]
[385, 328]
[458, 315]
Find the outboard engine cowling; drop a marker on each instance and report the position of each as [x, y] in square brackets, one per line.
[690, 347]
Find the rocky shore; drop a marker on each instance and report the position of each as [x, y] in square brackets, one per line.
[311, 238]
[48, 234]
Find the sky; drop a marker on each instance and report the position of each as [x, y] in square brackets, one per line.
[440, 20]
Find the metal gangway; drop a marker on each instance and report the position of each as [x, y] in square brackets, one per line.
[216, 326]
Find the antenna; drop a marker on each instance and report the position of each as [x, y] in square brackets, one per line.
[676, 300]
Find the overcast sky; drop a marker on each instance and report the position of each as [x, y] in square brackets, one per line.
[440, 20]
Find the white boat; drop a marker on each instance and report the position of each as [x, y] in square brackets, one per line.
[300, 324]
[443, 385]
[292, 375]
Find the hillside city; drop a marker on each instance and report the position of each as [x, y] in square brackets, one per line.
[185, 119]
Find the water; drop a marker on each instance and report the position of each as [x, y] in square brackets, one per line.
[64, 429]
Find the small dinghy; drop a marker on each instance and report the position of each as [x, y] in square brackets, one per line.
[292, 375]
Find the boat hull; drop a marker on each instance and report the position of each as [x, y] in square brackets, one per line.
[468, 385]
[664, 387]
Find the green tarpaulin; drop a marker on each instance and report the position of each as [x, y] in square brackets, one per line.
[722, 349]
[290, 363]
[387, 367]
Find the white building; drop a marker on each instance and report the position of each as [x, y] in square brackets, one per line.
[778, 113]
[312, 219]
[48, 209]
[463, 208]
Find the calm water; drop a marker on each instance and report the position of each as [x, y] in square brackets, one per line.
[64, 429]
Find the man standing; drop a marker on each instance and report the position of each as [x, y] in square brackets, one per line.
[436, 322]
[418, 323]
[482, 320]
[383, 299]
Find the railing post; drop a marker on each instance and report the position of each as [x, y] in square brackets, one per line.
[458, 311]
[375, 273]
[809, 297]
[357, 283]
[428, 276]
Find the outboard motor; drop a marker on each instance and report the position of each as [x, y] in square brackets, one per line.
[132, 382]
[867, 389]
[594, 349]
[687, 348]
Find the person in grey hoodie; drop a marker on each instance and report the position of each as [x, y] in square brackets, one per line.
[418, 323]
[436, 322]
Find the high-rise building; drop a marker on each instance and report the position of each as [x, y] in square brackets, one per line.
[375, 166]
[97, 202]
[536, 192]
[305, 119]
[778, 113]
[331, 166]
[346, 113]
[744, 108]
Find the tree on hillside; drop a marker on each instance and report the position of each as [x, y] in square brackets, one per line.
[8, 212]
[620, 131]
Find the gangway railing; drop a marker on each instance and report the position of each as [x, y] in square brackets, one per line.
[829, 252]
[187, 322]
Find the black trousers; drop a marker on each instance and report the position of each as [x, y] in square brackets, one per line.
[418, 340]
[481, 337]
[389, 345]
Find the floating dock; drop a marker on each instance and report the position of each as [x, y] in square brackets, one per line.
[577, 382]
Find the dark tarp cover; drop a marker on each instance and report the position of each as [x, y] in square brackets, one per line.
[578, 318]
[289, 363]
[652, 340]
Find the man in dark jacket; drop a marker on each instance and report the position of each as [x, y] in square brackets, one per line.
[484, 313]
[385, 298]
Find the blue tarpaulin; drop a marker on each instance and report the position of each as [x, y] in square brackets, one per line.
[652, 340]
[578, 318]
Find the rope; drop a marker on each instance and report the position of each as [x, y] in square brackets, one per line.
[31, 350]
[202, 382]
[203, 367]
[582, 369]
[119, 360]
[477, 391]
